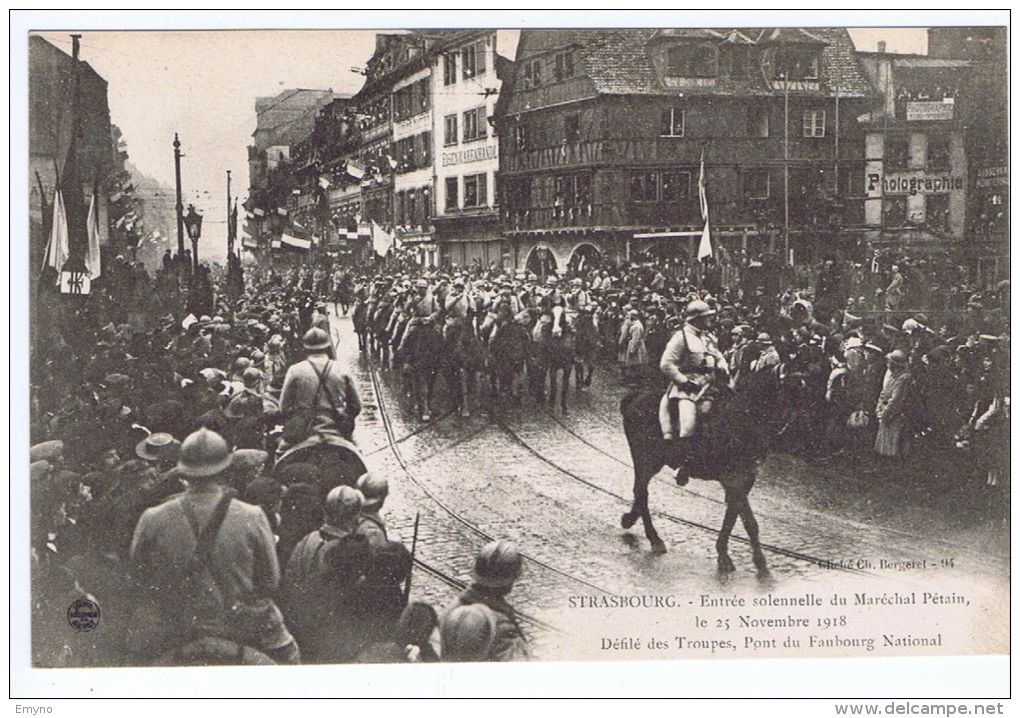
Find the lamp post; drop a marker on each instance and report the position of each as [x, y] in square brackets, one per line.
[193, 221]
[179, 207]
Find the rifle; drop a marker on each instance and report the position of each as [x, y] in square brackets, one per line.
[414, 546]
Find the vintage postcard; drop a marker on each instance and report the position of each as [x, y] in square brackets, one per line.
[518, 344]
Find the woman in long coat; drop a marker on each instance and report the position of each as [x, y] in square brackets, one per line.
[891, 411]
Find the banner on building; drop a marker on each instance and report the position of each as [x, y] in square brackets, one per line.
[289, 240]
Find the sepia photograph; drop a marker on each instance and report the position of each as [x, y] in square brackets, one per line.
[515, 344]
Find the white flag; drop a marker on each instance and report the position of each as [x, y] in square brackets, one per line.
[93, 257]
[381, 240]
[58, 249]
[705, 246]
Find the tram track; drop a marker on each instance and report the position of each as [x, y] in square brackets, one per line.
[948, 545]
[456, 516]
[673, 518]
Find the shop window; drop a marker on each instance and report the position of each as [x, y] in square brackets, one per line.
[450, 130]
[756, 184]
[475, 190]
[672, 123]
[938, 153]
[937, 212]
[894, 211]
[897, 152]
[813, 123]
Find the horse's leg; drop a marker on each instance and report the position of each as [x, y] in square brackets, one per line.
[430, 379]
[639, 509]
[591, 370]
[552, 384]
[734, 504]
[465, 410]
[751, 527]
[568, 367]
[578, 375]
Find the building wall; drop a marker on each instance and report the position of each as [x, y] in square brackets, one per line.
[464, 157]
[619, 137]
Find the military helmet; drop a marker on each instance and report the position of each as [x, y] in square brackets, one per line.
[342, 503]
[698, 308]
[315, 340]
[497, 565]
[467, 633]
[375, 489]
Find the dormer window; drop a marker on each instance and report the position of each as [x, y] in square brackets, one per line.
[797, 63]
[697, 61]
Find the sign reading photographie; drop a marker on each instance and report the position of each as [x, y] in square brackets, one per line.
[913, 183]
[801, 527]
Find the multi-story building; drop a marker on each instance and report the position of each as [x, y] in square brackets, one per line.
[466, 76]
[283, 122]
[984, 99]
[603, 133]
[916, 173]
[51, 112]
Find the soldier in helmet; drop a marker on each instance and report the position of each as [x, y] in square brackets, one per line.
[375, 489]
[319, 384]
[497, 567]
[693, 362]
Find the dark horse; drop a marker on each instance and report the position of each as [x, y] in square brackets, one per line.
[463, 361]
[732, 442]
[509, 347]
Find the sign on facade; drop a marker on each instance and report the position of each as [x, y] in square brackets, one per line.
[929, 110]
[475, 154]
[912, 183]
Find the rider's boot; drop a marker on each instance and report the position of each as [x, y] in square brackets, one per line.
[682, 455]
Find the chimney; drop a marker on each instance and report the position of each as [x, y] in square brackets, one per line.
[881, 47]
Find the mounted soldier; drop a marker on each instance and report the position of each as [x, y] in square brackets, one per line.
[695, 366]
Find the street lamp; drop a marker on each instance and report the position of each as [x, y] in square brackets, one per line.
[193, 221]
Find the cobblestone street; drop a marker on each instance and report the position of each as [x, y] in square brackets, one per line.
[557, 485]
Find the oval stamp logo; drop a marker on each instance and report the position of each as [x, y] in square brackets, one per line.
[83, 615]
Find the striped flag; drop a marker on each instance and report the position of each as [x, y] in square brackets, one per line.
[58, 249]
[705, 245]
[93, 256]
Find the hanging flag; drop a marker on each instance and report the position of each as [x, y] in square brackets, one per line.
[289, 240]
[58, 246]
[93, 257]
[232, 223]
[381, 240]
[705, 245]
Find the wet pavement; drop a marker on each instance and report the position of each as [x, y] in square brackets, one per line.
[556, 486]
